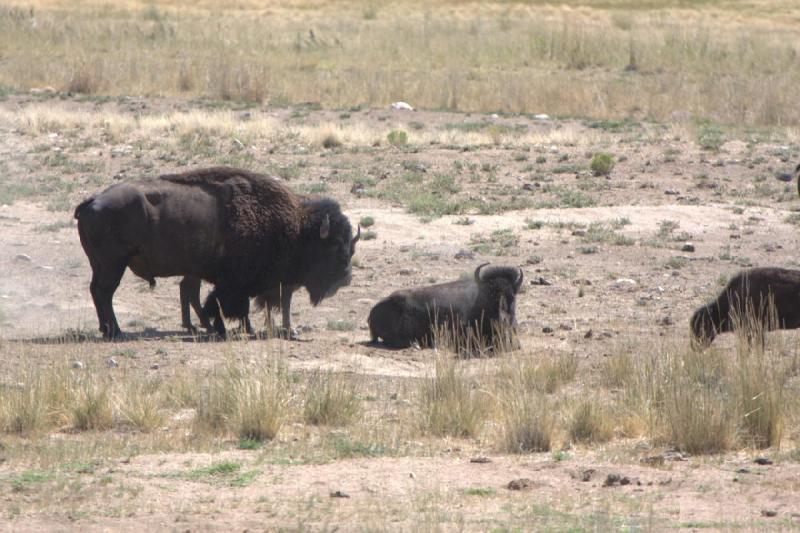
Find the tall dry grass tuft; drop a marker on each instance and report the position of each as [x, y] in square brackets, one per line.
[452, 403]
[759, 377]
[714, 400]
[139, 404]
[526, 413]
[330, 399]
[91, 403]
[591, 422]
[249, 401]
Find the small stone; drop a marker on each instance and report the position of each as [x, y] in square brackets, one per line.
[587, 475]
[653, 460]
[578, 233]
[541, 116]
[565, 326]
[611, 480]
[77, 365]
[405, 271]
[23, 257]
[540, 281]
[769, 513]
[783, 176]
[339, 494]
[154, 366]
[672, 192]
[547, 329]
[480, 460]
[588, 334]
[533, 260]
[528, 187]
[743, 471]
[625, 284]
[763, 461]
[687, 247]
[520, 484]
[464, 254]
[112, 363]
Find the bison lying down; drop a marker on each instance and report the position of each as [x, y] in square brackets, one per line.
[246, 233]
[474, 310]
[749, 296]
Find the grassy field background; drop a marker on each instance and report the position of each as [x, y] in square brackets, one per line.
[730, 62]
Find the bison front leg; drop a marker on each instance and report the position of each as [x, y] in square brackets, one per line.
[102, 287]
[286, 315]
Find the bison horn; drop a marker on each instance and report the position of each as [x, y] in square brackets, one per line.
[325, 228]
[478, 277]
[358, 234]
[518, 281]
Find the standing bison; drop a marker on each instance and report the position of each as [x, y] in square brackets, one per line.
[474, 311]
[760, 298]
[244, 232]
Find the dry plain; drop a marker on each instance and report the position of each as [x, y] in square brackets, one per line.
[615, 423]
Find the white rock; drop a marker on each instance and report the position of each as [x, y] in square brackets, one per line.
[402, 106]
[541, 116]
[112, 363]
[77, 365]
[625, 284]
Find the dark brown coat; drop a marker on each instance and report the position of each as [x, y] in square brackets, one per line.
[750, 295]
[241, 231]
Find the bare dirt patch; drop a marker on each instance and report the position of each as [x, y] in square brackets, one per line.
[606, 271]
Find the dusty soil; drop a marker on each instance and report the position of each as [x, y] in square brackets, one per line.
[730, 204]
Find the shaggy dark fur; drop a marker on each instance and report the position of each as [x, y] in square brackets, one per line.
[242, 231]
[797, 177]
[750, 292]
[476, 307]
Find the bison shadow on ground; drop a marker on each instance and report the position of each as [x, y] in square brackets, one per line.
[149, 334]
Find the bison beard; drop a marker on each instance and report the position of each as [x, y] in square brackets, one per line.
[244, 232]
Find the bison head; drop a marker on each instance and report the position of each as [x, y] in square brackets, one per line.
[327, 248]
[703, 327]
[502, 285]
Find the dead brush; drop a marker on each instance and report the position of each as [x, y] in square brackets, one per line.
[91, 403]
[331, 399]
[249, 401]
[591, 422]
[468, 341]
[526, 415]
[139, 404]
[759, 376]
[451, 403]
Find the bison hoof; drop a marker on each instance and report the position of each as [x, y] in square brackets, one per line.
[290, 334]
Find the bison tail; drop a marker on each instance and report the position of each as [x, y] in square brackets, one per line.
[82, 207]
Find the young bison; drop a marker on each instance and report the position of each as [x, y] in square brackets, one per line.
[473, 310]
[750, 294]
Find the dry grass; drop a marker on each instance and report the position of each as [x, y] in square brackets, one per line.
[451, 402]
[605, 61]
[249, 401]
[330, 399]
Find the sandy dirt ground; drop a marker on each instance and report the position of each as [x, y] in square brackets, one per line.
[580, 297]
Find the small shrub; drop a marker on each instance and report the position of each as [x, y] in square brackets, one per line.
[590, 423]
[450, 403]
[91, 408]
[602, 164]
[397, 138]
[330, 400]
[140, 404]
[331, 140]
[341, 325]
[366, 221]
